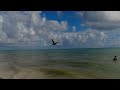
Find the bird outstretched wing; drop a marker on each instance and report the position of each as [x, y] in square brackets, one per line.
[53, 41]
[56, 42]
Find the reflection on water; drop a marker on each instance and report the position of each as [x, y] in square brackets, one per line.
[73, 63]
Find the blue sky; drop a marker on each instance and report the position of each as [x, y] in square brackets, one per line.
[69, 16]
[72, 29]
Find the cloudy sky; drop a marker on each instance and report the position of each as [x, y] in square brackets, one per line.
[72, 29]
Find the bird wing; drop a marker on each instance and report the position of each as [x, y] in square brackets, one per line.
[52, 41]
[56, 42]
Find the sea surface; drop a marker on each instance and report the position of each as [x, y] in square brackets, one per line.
[60, 64]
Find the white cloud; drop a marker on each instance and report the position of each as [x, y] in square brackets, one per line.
[59, 13]
[73, 28]
[88, 38]
[55, 25]
[3, 36]
[17, 27]
[1, 19]
[101, 20]
[30, 29]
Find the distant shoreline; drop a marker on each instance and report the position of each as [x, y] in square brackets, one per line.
[54, 49]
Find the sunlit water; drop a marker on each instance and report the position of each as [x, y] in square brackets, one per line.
[60, 64]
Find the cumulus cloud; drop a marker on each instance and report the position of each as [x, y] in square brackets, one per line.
[101, 20]
[55, 25]
[73, 28]
[27, 29]
[22, 27]
[88, 38]
[59, 13]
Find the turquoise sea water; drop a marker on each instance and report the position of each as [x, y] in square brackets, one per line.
[60, 64]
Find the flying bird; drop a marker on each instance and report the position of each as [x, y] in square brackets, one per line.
[54, 43]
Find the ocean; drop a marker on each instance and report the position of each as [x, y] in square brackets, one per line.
[96, 63]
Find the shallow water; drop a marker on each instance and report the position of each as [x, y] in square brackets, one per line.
[64, 63]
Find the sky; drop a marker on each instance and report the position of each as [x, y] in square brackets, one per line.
[72, 29]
